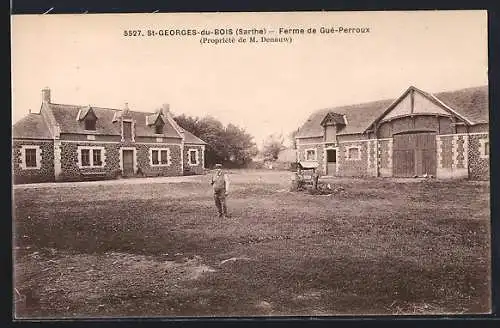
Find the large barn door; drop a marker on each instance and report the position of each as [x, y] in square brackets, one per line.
[404, 155]
[414, 154]
[426, 149]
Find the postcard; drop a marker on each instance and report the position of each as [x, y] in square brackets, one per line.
[250, 164]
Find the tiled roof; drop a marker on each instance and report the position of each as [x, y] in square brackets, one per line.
[151, 119]
[472, 103]
[190, 138]
[31, 126]
[82, 112]
[65, 116]
[335, 118]
[68, 116]
[358, 118]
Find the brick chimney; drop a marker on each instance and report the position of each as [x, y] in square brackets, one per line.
[46, 95]
[126, 109]
[165, 109]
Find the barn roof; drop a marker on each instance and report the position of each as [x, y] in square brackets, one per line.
[32, 126]
[358, 118]
[472, 103]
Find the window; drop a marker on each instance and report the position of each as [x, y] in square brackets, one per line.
[158, 129]
[31, 157]
[193, 157]
[154, 158]
[484, 150]
[97, 157]
[89, 157]
[90, 124]
[310, 154]
[127, 130]
[85, 157]
[159, 157]
[164, 157]
[353, 153]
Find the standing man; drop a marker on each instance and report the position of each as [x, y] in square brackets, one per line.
[220, 183]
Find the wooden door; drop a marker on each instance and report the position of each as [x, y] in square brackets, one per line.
[426, 148]
[414, 154]
[331, 161]
[128, 162]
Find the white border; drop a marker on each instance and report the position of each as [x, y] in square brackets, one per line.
[91, 159]
[38, 150]
[197, 156]
[159, 157]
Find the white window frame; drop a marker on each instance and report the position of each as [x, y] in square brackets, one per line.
[91, 159]
[197, 156]
[315, 154]
[38, 157]
[482, 145]
[347, 153]
[169, 161]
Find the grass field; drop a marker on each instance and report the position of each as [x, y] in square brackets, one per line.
[158, 249]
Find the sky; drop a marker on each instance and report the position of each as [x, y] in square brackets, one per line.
[265, 88]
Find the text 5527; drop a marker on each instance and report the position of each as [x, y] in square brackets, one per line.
[132, 33]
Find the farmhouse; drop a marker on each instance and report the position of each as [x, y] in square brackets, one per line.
[445, 135]
[72, 143]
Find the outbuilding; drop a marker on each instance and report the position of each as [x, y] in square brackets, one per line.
[418, 134]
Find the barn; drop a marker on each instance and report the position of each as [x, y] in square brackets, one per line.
[418, 134]
[71, 143]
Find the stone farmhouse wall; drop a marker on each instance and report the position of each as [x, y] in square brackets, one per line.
[45, 173]
[457, 156]
[71, 171]
[312, 144]
[479, 163]
[190, 168]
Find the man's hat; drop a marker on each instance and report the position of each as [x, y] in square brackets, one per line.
[218, 165]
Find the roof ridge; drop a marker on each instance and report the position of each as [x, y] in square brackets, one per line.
[99, 107]
[435, 93]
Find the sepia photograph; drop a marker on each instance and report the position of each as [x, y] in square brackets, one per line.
[195, 165]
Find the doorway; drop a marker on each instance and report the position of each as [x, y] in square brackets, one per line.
[414, 154]
[331, 161]
[128, 162]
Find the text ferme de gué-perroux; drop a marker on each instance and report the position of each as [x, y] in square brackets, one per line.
[245, 31]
